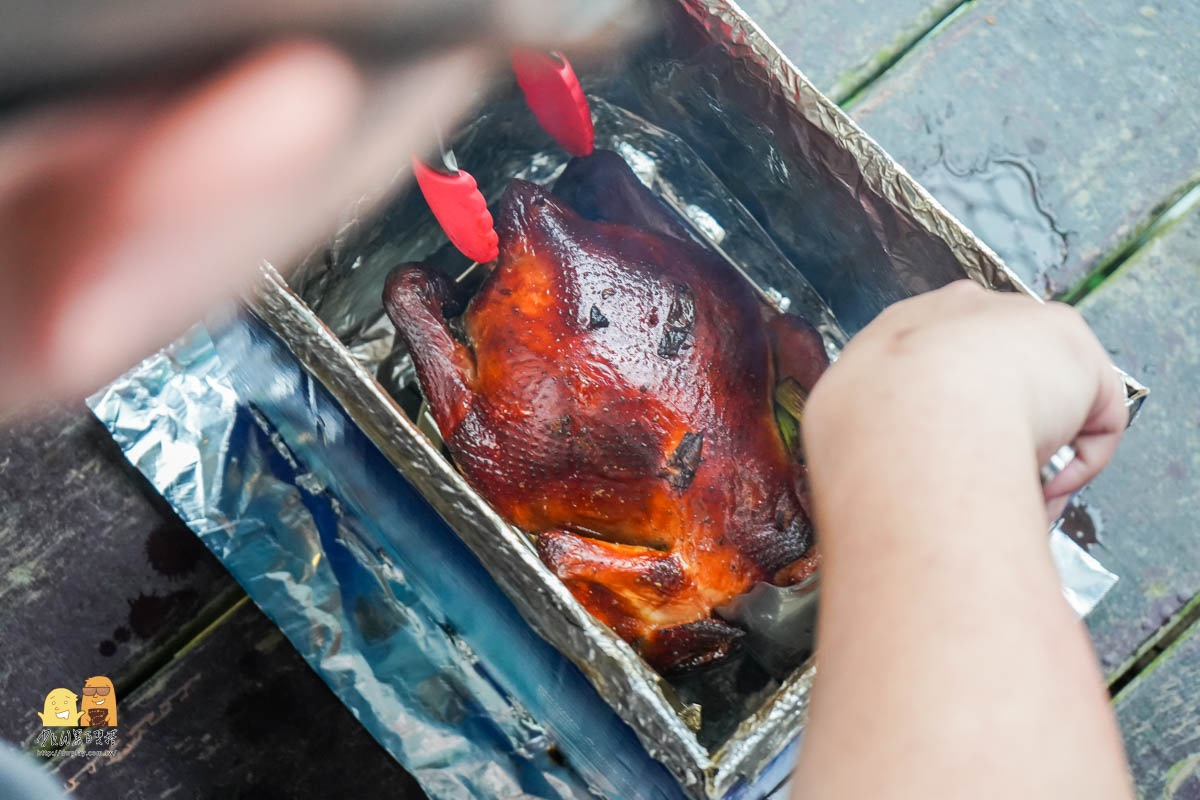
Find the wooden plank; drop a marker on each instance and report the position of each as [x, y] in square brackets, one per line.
[1160, 720]
[1145, 508]
[1054, 130]
[239, 714]
[96, 573]
[840, 45]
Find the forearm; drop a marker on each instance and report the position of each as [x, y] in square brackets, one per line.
[949, 664]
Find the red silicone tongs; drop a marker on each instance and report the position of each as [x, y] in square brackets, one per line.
[458, 206]
[556, 99]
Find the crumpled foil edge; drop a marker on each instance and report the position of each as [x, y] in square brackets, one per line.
[342, 554]
[726, 23]
[621, 677]
[636, 693]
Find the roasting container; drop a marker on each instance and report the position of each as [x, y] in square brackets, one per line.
[856, 228]
[768, 172]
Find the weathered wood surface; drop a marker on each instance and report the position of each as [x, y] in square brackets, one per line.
[1160, 720]
[240, 714]
[839, 46]
[1147, 503]
[1054, 130]
[97, 574]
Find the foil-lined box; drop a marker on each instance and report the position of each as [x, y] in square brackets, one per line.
[766, 170]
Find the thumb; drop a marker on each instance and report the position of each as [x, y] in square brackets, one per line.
[1095, 444]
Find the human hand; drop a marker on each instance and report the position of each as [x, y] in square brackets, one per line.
[943, 633]
[969, 364]
[124, 218]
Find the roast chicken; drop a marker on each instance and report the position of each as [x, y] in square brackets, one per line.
[609, 390]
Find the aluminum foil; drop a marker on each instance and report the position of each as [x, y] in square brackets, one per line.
[372, 588]
[768, 172]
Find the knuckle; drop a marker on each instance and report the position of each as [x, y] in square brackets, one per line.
[965, 286]
[1072, 321]
[1066, 312]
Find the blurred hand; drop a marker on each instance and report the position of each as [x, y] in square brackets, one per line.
[965, 362]
[124, 218]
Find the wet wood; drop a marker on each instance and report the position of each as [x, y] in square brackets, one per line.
[239, 714]
[1160, 721]
[841, 45]
[1143, 510]
[1055, 131]
[97, 574]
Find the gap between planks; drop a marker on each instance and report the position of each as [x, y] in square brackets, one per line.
[1176, 208]
[855, 92]
[213, 614]
[1168, 634]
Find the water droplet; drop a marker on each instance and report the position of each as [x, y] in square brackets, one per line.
[1000, 203]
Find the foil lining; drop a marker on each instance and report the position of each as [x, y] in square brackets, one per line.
[367, 582]
[769, 172]
[803, 121]
[631, 688]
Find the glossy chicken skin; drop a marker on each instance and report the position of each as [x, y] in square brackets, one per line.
[610, 390]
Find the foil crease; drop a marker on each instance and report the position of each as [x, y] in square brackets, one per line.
[766, 169]
[846, 153]
[1085, 581]
[367, 583]
[716, 122]
[631, 688]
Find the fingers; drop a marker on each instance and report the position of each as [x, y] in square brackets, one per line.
[1055, 508]
[1023, 357]
[1097, 440]
[184, 212]
[1092, 454]
[1098, 435]
[110, 253]
[118, 251]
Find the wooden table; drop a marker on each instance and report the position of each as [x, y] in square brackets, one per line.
[1064, 133]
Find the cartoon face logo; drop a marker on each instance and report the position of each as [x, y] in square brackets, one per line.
[99, 704]
[59, 709]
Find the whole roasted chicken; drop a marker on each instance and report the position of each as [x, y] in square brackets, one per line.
[609, 389]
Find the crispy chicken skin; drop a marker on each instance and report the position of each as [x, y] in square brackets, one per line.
[609, 390]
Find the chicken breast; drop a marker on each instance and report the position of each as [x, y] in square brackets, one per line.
[609, 389]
